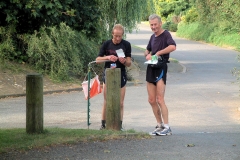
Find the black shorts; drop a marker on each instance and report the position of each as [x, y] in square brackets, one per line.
[123, 78]
[155, 74]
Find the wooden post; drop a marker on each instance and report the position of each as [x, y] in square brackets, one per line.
[34, 103]
[113, 85]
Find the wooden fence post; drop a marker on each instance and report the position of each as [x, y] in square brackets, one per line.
[34, 103]
[113, 85]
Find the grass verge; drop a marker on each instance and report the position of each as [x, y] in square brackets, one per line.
[209, 34]
[18, 140]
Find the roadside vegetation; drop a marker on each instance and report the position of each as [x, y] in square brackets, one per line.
[59, 38]
[19, 140]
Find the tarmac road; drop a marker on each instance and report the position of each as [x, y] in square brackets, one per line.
[203, 107]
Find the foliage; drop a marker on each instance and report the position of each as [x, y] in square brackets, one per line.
[170, 26]
[224, 13]
[20, 19]
[164, 8]
[210, 33]
[170, 11]
[173, 27]
[29, 15]
[212, 21]
[149, 9]
[6, 43]
[126, 12]
[61, 52]
[190, 16]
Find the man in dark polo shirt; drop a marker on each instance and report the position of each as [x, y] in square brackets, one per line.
[108, 52]
[160, 45]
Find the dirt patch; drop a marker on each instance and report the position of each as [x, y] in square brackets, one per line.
[14, 83]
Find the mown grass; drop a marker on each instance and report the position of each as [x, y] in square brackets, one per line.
[18, 140]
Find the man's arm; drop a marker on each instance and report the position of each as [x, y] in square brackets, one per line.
[107, 58]
[102, 58]
[125, 61]
[128, 61]
[166, 50]
[146, 52]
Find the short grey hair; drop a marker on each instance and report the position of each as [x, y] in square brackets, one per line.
[118, 27]
[154, 16]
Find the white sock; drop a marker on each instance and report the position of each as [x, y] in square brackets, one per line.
[166, 126]
[162, 124]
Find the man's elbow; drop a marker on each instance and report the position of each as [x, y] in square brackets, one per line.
[173, 48]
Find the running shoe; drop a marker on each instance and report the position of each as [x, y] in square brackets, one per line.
[157, 129]
[102, 127]
[164, 132]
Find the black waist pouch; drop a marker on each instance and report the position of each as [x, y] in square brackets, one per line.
[161, 62]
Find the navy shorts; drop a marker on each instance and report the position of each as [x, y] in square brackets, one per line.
[155, 74]
[123, 78]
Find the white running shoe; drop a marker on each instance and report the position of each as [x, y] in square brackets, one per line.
[157, 129]
[165, 132]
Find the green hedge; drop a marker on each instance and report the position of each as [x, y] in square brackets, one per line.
[61, 53]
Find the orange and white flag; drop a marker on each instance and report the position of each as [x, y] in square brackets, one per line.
[95, 87]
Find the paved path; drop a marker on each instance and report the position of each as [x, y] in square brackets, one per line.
[203, 110]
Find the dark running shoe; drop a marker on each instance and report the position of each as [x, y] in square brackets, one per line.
[102, 127]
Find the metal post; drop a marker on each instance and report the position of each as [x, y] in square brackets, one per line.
[88, 99]
[88, 103]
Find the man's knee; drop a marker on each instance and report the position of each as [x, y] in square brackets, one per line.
[152, 100]
[121, 104]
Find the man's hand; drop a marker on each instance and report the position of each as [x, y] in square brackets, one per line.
[112, 58]
[149, 57]
[122, 60]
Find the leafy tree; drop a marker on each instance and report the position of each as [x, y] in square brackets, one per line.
[29, 15]
[18, 18]
[126, 12]
[225, 14]
[164, 8]
[190, 16]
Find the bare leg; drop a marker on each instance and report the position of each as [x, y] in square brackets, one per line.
[104, 102]
[160, 100]
[122, 96]
[152, 91]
